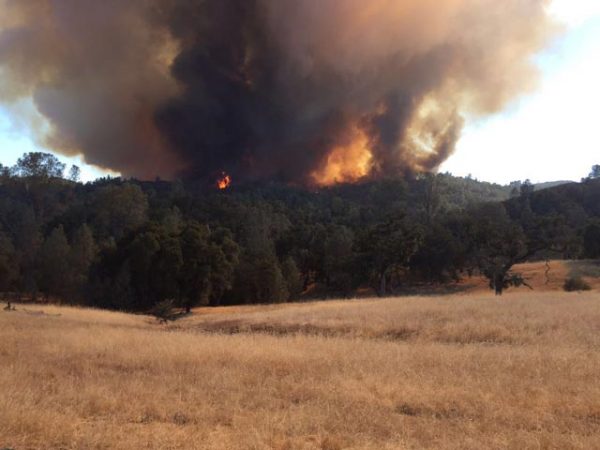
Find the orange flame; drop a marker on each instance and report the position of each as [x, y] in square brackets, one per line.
[224, 182]
[347, 162]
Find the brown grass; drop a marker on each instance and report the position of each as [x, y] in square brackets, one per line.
[461, 372]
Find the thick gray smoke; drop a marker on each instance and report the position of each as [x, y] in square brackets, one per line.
[303, 91]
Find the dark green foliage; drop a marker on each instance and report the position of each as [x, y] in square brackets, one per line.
[190, 266]
[336, 270]
[386, 250]
[117, 209]
[259, 279]
[209, 261]
[8, 267]
[82, 255]
[163, 310]
[39, 165]
[5, 172]
[441, 257]
[496, 244]
[54, 271]
[575, 284]
[132, 245]
[293, 278]
[591, 239]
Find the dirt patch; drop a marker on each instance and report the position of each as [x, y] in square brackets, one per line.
[440, 413]
[238, 326]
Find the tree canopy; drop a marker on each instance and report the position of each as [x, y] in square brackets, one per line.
[132, 245]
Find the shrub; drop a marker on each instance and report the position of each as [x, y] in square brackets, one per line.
[163, 311]
[576, 284]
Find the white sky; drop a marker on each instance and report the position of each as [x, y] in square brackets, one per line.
[16, 140]
[552, 134]
[575, 12]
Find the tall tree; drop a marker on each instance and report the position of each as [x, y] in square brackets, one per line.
[74, 173]
[339, 259]
[591, 239]
[40, 165]
[293, 277]
[27, 239]
[54, 272]
[118, 209]
[83, 253]
[5, 173]
[387, 249]
[496, 245]
[441, 256]
[209, 260]
[8, 264]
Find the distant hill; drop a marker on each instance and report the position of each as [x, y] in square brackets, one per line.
[576, 202]
[451, 192]
[550, 184]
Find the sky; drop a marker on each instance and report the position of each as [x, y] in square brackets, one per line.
[15, 140]
[550, 134]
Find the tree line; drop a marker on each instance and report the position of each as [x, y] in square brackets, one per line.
[130, 245]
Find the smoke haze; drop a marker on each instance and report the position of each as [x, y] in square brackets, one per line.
[303, 91]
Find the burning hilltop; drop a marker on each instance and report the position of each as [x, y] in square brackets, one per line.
[294, 90]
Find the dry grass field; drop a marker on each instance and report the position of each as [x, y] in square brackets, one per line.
[465, 371]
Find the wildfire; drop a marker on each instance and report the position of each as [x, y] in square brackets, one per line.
[347, 162]
[224, 182]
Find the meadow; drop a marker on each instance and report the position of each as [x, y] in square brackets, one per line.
[464, 371]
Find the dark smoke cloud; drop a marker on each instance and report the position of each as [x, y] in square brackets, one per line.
[299, 90]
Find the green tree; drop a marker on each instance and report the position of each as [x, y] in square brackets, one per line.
[8, 267]
[74, 173]
[224, 256]
[387, 249]
[139, 254]
[27, 240]
[189, 267]
[496, 245]
[293, 277]
[39, 165]
[83, 253]
[591, 239]
[527, 188]
[5, 173]
[441, 256]
[209, 260]
[166, 268]
[338, 260]
[118, 209]
[118, 293]
[54, 273]
[258, 279]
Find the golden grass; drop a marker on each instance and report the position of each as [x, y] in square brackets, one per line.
[459, 372]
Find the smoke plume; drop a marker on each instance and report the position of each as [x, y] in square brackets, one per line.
[304, 91]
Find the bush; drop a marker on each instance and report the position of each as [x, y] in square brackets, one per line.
[576, 284]
[163, 311]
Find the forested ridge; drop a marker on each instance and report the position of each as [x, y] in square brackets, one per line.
[130, 245]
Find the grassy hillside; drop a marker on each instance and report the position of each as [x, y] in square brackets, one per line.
[449, 372]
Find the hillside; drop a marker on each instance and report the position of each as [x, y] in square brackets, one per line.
[550, 184]
[131, 245]
[251, 235]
